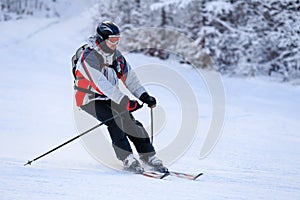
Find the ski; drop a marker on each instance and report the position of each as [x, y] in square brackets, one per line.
[186, 176]
[153, 174]
[159, 175]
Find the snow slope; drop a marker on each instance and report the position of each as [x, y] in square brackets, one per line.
[257, 157]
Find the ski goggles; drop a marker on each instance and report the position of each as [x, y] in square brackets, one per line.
[113, 39]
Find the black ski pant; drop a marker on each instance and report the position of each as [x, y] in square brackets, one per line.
[122, 127]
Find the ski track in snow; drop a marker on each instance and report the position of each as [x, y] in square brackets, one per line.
[257, 157]
[25, 36]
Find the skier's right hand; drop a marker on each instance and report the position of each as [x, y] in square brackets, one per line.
[133, 105]
[146, 98]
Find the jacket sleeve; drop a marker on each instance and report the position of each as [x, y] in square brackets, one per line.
[90, 65]
[130, 79]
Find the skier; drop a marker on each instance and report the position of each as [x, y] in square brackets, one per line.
[97, 67]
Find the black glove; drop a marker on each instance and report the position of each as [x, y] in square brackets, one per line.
[146, 98]
[130, 105]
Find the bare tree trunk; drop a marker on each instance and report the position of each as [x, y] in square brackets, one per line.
[36, 4]
[8, 5]
[19, 7]
[163, 17]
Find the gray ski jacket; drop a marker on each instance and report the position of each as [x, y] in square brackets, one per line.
[97, 75]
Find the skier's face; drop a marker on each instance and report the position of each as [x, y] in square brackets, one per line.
[112, 41]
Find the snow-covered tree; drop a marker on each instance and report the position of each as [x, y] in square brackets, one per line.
[244, 38]
[18, 9]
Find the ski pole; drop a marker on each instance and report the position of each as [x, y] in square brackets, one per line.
[78, 136]
[151, 111]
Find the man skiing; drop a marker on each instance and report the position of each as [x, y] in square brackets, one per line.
[97, 68]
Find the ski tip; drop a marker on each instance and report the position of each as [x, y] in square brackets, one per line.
[200, 174]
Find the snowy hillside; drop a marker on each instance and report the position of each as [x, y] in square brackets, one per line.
[257, 156]
[28, 9]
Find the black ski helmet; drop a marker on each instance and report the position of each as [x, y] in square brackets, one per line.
[105, 29]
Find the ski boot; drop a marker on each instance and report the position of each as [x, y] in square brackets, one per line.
[155, 163]
[131, 164]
